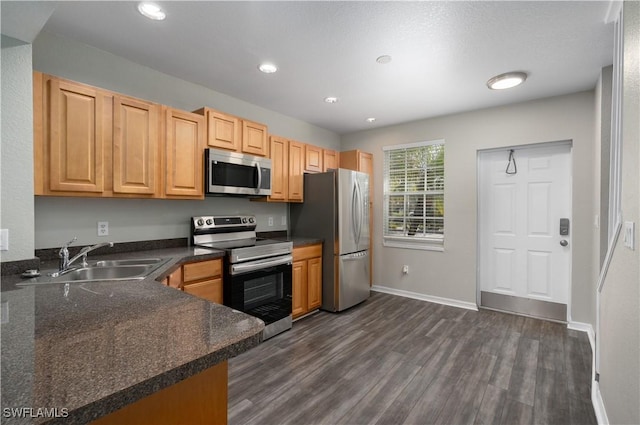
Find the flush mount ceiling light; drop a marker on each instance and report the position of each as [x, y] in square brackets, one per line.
[371, 120]
[267, 68]
[507, 80]
[151, 11]
[383, 59]
[331, 99]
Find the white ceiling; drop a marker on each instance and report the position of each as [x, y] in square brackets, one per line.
[443, 52]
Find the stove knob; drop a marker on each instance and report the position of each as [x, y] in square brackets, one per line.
[209, 222]
[200, 222]
[244, 220]
[251, 220]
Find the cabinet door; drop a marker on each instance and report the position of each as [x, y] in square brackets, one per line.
[365, 163]
[279, 152]
[313, 158]
[223, 131]
[299, 288]
[314, 283]
[329, 159]
[77, 137]
[135, 146]
[254, 138]
[209, 290]
[296, 169]
[184, 154]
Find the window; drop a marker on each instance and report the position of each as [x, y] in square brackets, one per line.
[414, 195]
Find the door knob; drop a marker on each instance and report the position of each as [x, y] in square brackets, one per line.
[564, 242]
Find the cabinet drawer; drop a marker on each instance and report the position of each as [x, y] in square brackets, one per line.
[305, 252]
[202, 270]
[210, 290]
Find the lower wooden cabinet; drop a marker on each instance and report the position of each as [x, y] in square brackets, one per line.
[199, 399]
[202, 279]
[307, 279]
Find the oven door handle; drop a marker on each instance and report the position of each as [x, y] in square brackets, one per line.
[260, 264]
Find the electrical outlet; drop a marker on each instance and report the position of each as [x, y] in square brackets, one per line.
[284, 220]
[4, 239]
[405, 269]
[103, 228]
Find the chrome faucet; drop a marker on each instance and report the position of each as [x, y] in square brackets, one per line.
[66, 262]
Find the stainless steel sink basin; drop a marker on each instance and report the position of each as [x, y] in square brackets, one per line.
[128, 262]
[129, 269]
[86, 274]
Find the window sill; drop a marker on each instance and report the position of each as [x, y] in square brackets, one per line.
[424, 245]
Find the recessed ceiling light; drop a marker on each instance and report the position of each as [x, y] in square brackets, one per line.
[151, 11]
[371, 119]
[507, 80]
[331, 99]
[383, 59]
[268, 68]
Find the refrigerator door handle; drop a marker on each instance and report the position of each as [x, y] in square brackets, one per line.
[360, 217]
[354, 219]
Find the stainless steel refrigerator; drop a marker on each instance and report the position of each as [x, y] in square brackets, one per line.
[336, 209]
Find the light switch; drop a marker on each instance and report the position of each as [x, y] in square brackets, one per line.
[630, 235]
[4, 239]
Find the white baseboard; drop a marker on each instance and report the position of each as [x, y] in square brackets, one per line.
[585, 327]
[598, 404]
[422, 297]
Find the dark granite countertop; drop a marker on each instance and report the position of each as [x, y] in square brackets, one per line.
[87, 349]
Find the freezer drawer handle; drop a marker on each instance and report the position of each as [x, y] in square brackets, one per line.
[356, 256]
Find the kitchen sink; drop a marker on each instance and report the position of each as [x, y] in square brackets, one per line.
[128, 262]
[129, 269]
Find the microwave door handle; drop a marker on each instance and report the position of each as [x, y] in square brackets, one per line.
[259, 177]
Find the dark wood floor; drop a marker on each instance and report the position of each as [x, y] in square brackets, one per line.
[395, 360]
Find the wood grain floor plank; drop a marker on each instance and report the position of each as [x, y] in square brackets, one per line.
[393, 360]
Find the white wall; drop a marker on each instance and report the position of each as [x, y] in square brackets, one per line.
[16, 186]
[620, 301]
[57, 219]
[452, 273]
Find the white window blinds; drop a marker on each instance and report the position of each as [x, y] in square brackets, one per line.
[414, 182]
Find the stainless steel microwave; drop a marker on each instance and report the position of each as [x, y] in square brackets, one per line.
[233, 173]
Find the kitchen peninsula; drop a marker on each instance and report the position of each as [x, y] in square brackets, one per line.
[137, 348]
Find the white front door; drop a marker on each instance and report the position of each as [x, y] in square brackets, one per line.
[524, 260]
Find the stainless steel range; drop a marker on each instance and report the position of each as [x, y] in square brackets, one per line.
[257, 272]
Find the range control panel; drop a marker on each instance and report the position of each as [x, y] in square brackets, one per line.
[209, 223]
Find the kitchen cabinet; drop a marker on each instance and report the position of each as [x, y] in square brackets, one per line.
[199, 399]
[362, 161]
[136, 153]
[330, 159]
[296, 171]
[313, 159]
[307, 279]
[202, 279]
[279, 153]
[97, 143]
[72, 126]
[184, 145]
[225, 131]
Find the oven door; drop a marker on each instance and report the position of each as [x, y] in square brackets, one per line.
[236, 174]
[261, 291]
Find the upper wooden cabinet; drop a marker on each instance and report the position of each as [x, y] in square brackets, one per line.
[357, 160]
[313, 159]
[92, 142]
[136, 160]
[184, 147]
[225, 131]
[330, 159]
[287, 168]
[296, 171]
[76, 124]
[279, 169]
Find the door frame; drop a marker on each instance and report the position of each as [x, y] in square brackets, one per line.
[479, 152]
